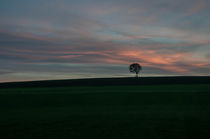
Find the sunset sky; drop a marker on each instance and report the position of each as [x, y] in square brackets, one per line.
[68, 39]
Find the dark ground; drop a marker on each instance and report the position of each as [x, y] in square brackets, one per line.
[119, 108]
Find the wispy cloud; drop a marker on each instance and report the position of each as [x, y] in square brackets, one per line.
[166, 37]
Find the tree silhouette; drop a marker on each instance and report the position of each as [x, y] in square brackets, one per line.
[135, 68]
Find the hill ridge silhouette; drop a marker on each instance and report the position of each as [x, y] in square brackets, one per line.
[110, 81]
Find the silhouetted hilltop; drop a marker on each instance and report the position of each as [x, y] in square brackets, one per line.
[110, 81]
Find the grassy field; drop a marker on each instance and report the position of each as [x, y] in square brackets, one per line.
[166, 111]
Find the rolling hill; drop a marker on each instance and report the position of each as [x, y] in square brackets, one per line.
[111, 81]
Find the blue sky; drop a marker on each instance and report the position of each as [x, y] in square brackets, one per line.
[65, 39]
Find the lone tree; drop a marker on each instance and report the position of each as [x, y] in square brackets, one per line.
[135, 68]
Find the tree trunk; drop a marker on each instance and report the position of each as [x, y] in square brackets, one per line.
[136, 75]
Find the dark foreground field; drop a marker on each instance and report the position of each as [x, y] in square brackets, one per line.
[106, 111]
